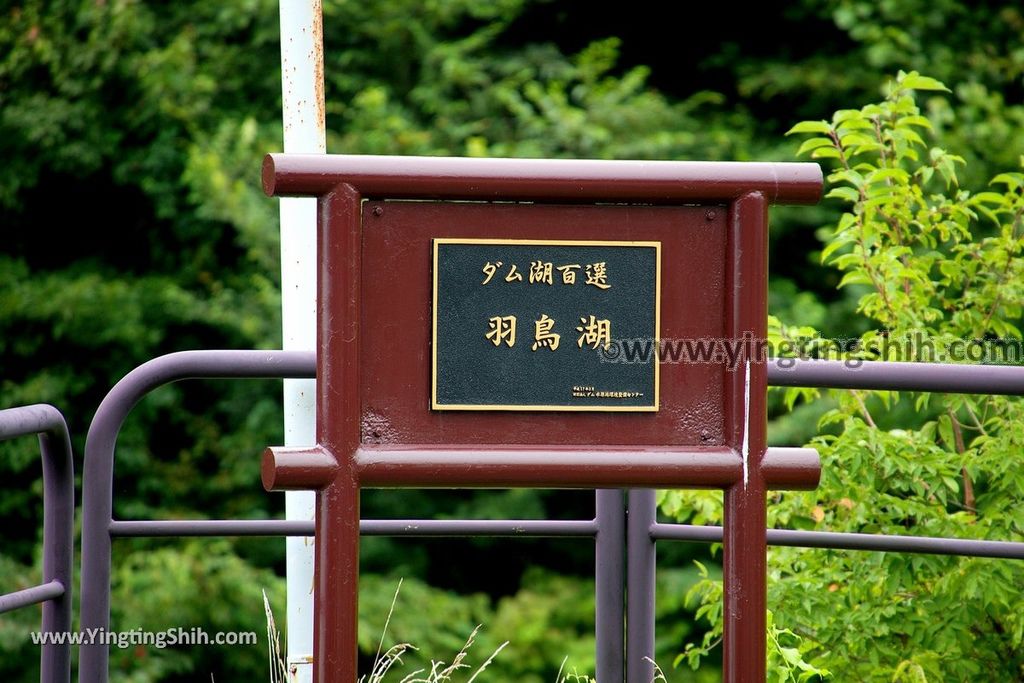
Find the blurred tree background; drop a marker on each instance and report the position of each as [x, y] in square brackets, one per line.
[133, 225]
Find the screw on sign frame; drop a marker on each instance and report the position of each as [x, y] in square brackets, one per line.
[709, 433]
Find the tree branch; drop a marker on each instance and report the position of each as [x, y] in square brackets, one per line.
[958, 436]
[864, 409]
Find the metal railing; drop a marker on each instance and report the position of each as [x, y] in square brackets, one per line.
[58, 532]
[625, 530]
[607, 528]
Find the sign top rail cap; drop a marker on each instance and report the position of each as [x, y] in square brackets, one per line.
[567, 180]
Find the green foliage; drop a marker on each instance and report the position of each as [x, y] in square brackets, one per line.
[16, 649]
[549, 620]
[909, 235]
[533, 103]
[939, 265]
[785, 650]
[707, 594]
[433, 620]
[201, 584]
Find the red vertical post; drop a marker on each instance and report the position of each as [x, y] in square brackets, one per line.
[335, 649]
[745, 515]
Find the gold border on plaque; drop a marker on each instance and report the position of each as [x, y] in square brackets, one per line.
[434, 405]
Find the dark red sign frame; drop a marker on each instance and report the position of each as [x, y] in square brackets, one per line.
[374, 425]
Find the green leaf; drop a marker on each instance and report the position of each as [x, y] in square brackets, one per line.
[855, 124]
[813, 143]
[831, 248]
[910, 135]
[1011, 180]
[826, 153]
[810, 127]
[915, 81]
[846, 193]
[857, 140]
[846, 115]
[990, 197]
[854, 277]
[897, 174]
[920, 121]
[946, 432]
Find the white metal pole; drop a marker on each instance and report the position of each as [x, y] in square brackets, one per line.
[302, 89]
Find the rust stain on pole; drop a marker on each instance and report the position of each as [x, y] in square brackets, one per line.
[318, 67]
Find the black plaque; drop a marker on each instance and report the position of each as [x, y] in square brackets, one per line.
[545, 325]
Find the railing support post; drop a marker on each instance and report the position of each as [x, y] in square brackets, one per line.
[58, 532]
[609, 584]
[640, 591]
